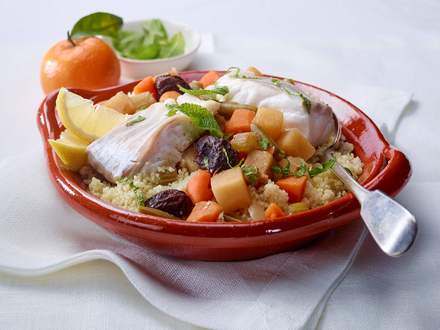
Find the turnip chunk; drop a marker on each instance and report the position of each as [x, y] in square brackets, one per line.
[270, 121]
[293, 143]
[230, 190]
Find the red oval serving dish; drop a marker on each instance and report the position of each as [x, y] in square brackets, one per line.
[385, 168]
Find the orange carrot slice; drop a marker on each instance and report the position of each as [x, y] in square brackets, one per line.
[294, 186]
[240, 121]
[209, 78]
[206, 211]
[273, 211]
[199, 186]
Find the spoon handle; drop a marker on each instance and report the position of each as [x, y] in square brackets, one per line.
[392, 226]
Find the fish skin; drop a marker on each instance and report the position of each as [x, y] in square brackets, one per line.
[159, 140]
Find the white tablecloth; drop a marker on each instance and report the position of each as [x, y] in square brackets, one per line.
[333, 44]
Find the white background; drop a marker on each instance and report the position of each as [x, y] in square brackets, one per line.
[334, 44]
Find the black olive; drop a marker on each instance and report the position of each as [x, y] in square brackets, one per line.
[166, 83]
[215, 154]
[172, 201]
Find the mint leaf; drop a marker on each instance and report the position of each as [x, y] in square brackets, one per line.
[99, 23]
[221, 90]
[200, 116]
[173, 47]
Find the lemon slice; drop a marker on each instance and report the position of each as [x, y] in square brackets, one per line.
[73, 156]
[82, 119]
[68, 137]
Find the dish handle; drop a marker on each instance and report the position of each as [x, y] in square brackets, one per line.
[395, 174]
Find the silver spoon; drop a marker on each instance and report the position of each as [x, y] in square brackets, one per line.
[392, 226]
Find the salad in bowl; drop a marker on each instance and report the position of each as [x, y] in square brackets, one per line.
[234, 146]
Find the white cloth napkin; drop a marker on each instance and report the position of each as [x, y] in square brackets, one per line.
[42, 234]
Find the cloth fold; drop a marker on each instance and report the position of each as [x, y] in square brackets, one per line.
[42, 234]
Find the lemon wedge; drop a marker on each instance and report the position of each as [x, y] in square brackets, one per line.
[68, 137]
[73, 156]
[82, 119]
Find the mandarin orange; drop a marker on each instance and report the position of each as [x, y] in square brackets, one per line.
[87, 63]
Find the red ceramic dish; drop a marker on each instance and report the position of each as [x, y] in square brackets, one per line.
[386, 168]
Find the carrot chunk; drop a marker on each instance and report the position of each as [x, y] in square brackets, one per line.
[273, 211]
[209, 78]
[205, 211]
[146, 85]
[240, 121]
[294, 186]
[199, 187]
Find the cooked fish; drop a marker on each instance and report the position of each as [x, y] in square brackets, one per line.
[315, 123]
[152, 140]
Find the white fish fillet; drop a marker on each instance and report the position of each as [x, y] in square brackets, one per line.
[316, 125]
[158, 140]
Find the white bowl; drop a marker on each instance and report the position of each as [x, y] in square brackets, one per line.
[138, 69]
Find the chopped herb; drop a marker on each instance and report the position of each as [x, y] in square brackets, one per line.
[307, 104]
[221, 90]
[302, 170]
[264, 142]
[251, 173]
[199, 115]
[238, 73]
[282, 171]
[276, 82]
[328, 164]
[140, 198]
[135, 120]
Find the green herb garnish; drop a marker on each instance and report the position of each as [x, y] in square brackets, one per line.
[140, 198]
[282, 170]
[307, 104]
[135, 120]
[320, 168]
[238, 73]
[302, 170]
[264, 142]
[251, 173]
[200, 116]
[221, 90]
[277, 83]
